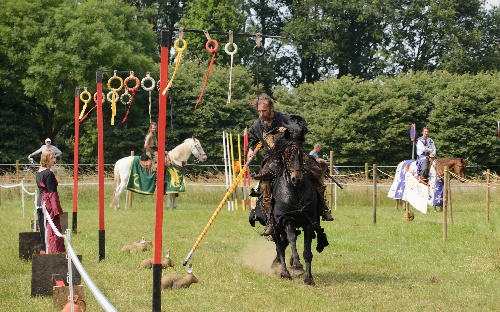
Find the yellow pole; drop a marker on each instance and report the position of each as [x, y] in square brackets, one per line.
[228, 193]
[235, 195]
[243, 194]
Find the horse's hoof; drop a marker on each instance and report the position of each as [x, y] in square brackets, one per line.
[309, 281]
[286, 275]
[298, 271]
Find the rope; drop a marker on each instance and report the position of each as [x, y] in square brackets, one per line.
[103, 301]
[85, 101]
[214, 52]
[235, 49]
[132, 90]
[389, 175]
[177, 62]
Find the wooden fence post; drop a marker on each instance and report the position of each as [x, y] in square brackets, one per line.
[331, 185]
[445, 203]
[449, 198]
[366, 172]
[17, 170]
[374, 193]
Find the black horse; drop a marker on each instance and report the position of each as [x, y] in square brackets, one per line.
[294, 205]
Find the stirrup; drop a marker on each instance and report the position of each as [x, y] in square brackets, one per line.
[268, 231]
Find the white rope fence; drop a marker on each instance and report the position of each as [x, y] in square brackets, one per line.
[23, 190]
[71, 256]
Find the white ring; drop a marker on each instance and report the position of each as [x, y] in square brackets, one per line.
[129, 98]
[234, 46]
[109, 96]
[152, 83]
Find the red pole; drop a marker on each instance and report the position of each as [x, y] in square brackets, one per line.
[100, 164]
[160, 187]
[75, 160]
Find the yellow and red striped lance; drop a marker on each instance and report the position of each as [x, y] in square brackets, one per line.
[224, 200]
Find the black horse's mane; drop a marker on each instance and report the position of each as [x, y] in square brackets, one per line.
[296, 131]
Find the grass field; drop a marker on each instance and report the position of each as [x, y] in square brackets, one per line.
[394, 265]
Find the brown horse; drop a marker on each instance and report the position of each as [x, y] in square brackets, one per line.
[455, 165]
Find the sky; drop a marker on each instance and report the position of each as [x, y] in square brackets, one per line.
[493, 2]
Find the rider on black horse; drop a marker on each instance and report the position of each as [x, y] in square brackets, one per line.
[266, 129]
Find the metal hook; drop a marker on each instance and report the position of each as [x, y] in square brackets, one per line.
[181, 33]
[209, 39]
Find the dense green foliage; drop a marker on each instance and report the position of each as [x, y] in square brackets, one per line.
[369, 121]
[363, 71]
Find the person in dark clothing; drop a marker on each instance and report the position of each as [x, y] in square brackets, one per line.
[266, 129]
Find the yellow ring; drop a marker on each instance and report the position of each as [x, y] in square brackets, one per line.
[176, 45]
[89, 96]
[119, 79]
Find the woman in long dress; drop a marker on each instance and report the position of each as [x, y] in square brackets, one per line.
[47, 184]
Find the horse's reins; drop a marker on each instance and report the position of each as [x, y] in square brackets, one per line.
[200, 154]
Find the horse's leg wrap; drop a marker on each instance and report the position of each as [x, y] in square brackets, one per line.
[265, 188]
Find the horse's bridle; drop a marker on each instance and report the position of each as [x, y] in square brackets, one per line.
[198, 147]
[288, 159]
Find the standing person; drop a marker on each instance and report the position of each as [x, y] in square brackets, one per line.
[47, 147]
[47, 184]
[425, 151]
[151, 139]
[266, 130]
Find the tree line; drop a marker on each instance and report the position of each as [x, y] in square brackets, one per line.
[360, 72]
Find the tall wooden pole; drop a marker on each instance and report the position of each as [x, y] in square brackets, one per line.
[445, 203]
[374, 193]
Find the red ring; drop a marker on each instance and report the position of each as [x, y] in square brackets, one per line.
[137, 83]
[95, 97]
[216, 46]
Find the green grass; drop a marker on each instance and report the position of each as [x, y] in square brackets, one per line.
[391, 266]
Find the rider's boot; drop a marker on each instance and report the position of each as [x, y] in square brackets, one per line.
[322, 206]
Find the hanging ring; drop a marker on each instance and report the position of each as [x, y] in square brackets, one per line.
[259, 51]
[122, 98]
[176, 45]
[89, 96]
[115, 89]
[95, 97]
[137, 83]
[110, 96]
[148, 78]
[214, 49]
[235, 48]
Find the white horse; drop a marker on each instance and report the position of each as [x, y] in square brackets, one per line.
[178, 156]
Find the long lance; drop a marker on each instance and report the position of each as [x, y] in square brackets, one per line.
[329, 176]
[228, 193]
